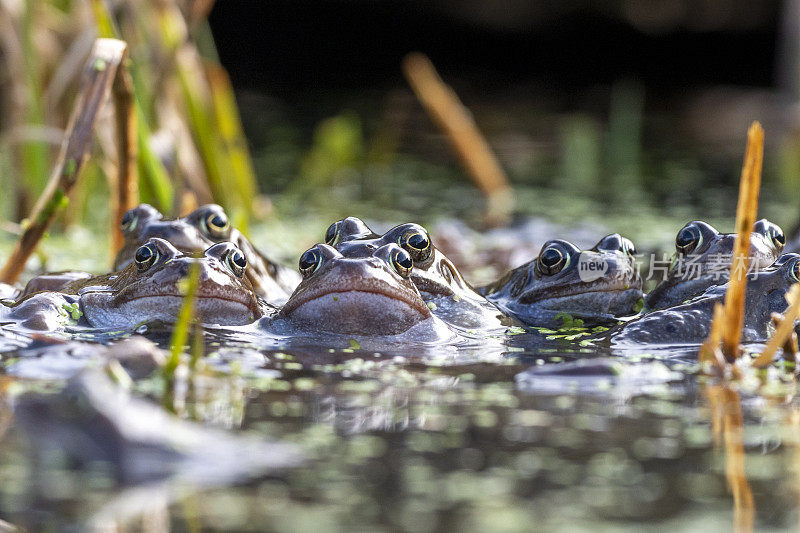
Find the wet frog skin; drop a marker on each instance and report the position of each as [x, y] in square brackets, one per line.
[365, 296]
[689, 323]
[552, 284]
[203, 227]
[149, 289]
[703, 256]
[439, 282]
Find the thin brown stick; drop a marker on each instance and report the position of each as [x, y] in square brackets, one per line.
[726, 419]
[710, 349]
[126, 195]
[733, 433]
[442, 103]
[784, 330]
[746, 211]
[98, 75]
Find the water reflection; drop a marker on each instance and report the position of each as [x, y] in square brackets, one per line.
[727, 425]
[472, 440]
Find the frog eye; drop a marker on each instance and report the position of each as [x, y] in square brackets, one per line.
[309, 262]
[402, 262]
[794, 270]
[333, 233]
[236, 262]
[628, 247]
[216, 224]
[552, 261]
[417, 244]
[129, 220]
[777, 236]
[688, 239]
[145, 257]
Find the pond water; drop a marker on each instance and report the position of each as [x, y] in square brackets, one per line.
[509, 432]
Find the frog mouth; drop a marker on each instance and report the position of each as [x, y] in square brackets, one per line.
[596, 288]
[369, 307]
[101, 308]
[367, 288]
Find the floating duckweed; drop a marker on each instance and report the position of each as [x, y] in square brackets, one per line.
[530, 417]
[304, 384]
[485, 418]
[73, 311]
[280, 385]
[278, 408]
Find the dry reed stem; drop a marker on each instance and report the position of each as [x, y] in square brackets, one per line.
[726, 406]
[98, 76]
[784, 330]
[709, 351]
[442, 103]
[746, 211]
[126, 195]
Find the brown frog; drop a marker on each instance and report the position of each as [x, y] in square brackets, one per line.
[596, 285]
[197, 231]
[439, 282]
[703, 256]
[149, 289]
[371, 295]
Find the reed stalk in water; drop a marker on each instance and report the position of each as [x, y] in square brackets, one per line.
[442, 103]
[98, 77]
[710, 349]
[180, 334]
[126, 192]
[784, 329]
[746, 211]
[727, 420]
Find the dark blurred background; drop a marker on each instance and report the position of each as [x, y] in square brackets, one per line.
[589, 106]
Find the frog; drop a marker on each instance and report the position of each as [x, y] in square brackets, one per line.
[93, 420]
[149, 289]
[449, 296]
[203, 227]
[368, 296]
[564, 283]
[689, 322]
[703, 256]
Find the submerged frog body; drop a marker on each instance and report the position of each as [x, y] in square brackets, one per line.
[197, 231]
[365, 296]
[94, 421]
[594, 285]
[439, 282]
[689, 323]
[703, 257]
[149, 289]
